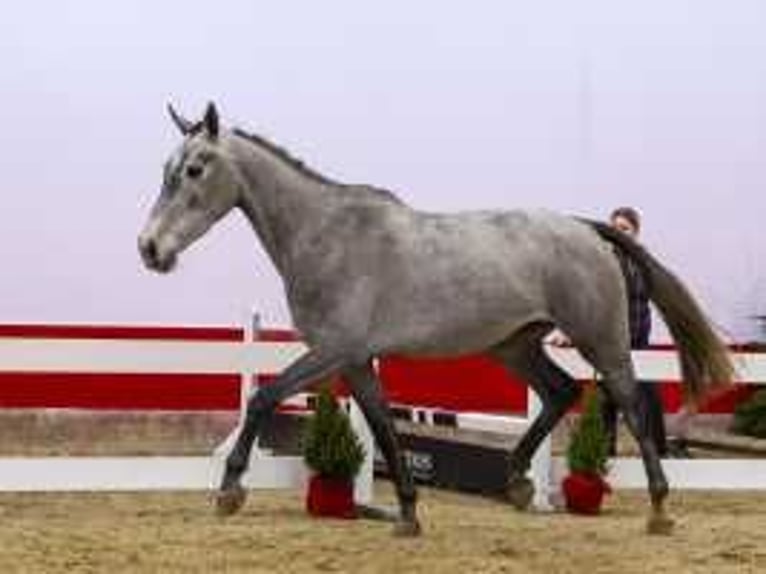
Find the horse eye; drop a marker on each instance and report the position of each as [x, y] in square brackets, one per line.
[193, 171]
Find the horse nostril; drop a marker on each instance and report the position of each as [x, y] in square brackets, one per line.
[148, 248]
[157, 255]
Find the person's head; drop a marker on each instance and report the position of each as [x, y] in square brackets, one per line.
[627, 220]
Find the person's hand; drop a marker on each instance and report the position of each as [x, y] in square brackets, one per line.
[558, 339]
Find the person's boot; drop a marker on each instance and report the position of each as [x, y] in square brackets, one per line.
[678, 448]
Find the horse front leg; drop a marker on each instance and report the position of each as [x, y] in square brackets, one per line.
[309, 368]
[367, 392]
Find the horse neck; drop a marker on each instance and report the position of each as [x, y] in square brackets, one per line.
[282, 204]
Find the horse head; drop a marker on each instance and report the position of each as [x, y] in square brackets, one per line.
[200, 186]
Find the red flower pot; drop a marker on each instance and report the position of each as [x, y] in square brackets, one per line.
[584, 492]
[330, 497]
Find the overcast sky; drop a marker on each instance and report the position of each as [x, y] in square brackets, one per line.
[660, 104]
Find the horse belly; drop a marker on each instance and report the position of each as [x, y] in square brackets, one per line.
[443, 326]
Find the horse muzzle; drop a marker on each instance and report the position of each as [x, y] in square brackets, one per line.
[154, 256]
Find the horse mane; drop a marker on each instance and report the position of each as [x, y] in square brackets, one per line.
[284, 155]
[298, 164]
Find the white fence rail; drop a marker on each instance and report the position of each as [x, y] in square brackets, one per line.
[162, 357]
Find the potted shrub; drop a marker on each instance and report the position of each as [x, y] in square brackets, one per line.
[750, 416]
[334, 454]
[587, 455]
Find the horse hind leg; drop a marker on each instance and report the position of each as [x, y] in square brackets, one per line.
[621, 384]
[524, 357]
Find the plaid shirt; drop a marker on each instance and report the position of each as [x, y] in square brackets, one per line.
[639, 315]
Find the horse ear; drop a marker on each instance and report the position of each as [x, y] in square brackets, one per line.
[185, 126]
[210, 121]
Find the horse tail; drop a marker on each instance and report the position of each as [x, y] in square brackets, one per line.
[705, 361]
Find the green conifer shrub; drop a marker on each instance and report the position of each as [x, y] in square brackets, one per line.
[588, 449]
[331, 448]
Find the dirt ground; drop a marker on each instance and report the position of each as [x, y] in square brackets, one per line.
[178, 532]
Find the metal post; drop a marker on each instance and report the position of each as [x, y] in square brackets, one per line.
[250, 328]
[363, 485]
[541, 464]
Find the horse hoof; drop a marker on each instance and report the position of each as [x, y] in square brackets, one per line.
[520, 492]
[230, 500]
[660, 525]
[407, 529]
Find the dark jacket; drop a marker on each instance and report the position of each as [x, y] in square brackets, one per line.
[639, 315]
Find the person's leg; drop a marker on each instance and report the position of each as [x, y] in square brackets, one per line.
[678, 431]
[654, 415]
[609, 414]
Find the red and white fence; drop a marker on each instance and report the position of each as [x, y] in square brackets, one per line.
[705, 474]
[493, 388]
[196, 369]
[58, 358]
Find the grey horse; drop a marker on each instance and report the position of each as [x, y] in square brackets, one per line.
[366, 275]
